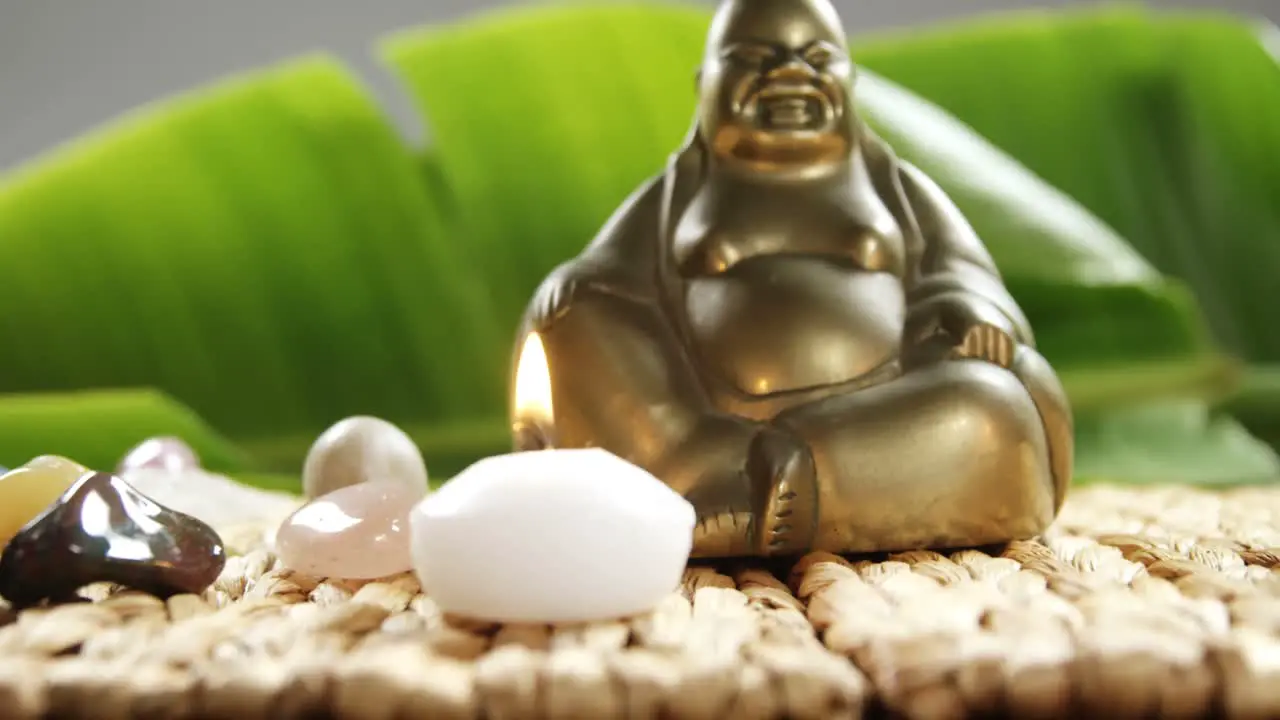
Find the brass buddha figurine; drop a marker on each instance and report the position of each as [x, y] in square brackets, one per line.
[796, 329]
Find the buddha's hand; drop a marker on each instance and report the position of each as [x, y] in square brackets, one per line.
[986, 342]
[957, 326]
[556, 295]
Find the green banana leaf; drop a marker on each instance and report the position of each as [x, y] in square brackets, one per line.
[1169, 442]
[263, 250]
[96, 427]
[271, 255]
[1165, 125]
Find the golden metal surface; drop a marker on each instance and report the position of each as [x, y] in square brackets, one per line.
[796, 329]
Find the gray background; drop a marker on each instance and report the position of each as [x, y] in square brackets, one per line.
[67, 65]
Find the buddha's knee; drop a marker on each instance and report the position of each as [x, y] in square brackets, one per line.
[1006, 465]
[1050, 399]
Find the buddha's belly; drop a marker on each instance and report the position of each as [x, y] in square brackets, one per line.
[782, 324]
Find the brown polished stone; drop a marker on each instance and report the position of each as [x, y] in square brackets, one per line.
[103, 530]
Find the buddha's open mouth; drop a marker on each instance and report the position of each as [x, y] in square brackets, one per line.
[790, 108]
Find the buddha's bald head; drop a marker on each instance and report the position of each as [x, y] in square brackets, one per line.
[787, 22]
[775, 85]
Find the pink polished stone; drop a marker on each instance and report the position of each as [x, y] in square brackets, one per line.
[359, 532]
[160, 453]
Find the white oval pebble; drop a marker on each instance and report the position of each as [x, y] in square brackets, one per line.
[362, 449]
[551, 536]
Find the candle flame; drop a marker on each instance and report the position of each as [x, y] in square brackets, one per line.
[533, 385]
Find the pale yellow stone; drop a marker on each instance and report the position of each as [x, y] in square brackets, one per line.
[27, 491]
[57, 463]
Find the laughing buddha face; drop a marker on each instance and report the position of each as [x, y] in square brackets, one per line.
[776, 85]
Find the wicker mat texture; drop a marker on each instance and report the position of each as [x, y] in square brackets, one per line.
[1139, 603]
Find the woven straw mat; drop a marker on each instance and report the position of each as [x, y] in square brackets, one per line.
[1139, 603]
